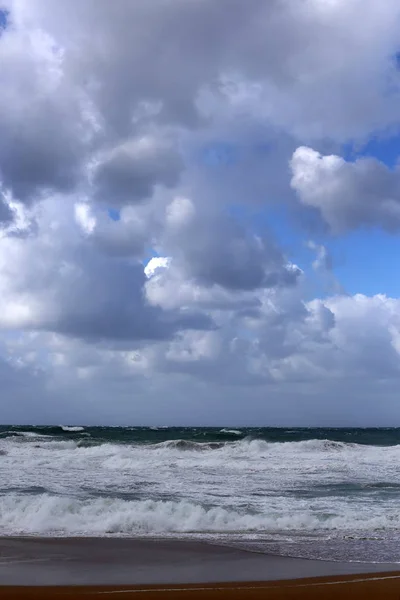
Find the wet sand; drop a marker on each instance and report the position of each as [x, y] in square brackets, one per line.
[87, 567]
[367, 587]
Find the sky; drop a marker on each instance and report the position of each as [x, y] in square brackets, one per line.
[200, 212]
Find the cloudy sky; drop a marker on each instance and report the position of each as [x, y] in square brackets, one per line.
[200, 212]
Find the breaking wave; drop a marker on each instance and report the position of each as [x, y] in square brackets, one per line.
[186, 445]
[256, 446]
[55, 515]
[232, 431]
[241, 447]
[23, 434]
[72, 429]
[64, 480]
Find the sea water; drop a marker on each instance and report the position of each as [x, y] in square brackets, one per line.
[320, 493]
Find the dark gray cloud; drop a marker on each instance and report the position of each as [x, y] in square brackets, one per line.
[214, 248]
[106, 302]
[42, 118]
[169, 288]
[129, 172]
[6, 213]
[166, 52]
[22, 387]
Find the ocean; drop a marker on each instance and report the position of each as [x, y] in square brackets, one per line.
[317, 493]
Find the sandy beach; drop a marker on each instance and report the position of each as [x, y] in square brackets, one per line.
[369, 587]
[47, 568]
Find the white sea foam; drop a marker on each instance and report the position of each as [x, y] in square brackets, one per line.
[186, 445]
[177, 486]
[56, 444]
[27, 434]
[46, 514]
[231, 431]
[72, 429]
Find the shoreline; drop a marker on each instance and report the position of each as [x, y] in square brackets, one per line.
[101, 562]
[247, 546]
[46, 568]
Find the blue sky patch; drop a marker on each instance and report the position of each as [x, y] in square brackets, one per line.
[4, 17]
[114, 214]
[384, 148]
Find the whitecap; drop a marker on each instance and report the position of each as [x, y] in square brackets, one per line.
[72, 429]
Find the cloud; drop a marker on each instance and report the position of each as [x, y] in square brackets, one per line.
[214, 248]
[56, 280]
[323, 260]
[169, 287]
[150, 59]
[44, 120]
[142, 145]
[347, 194]
[128, 173]
[156, 264]
[126, 236]
[323, 362]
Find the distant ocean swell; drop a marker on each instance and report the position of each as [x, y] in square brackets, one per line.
[214, 483]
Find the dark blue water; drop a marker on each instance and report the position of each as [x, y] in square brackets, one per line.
[153, 435]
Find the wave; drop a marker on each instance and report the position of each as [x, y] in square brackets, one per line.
[23, 434]
[256, 446]
[50, 514]
[57, 445]
[246, 447]
[320, 445]
[232, 431]
[236, 448]
[72, 429]
[187, 445]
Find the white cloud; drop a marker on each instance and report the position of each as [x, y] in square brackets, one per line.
[155, 264]
[85, 218]
[347, 194]
[182, 117]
